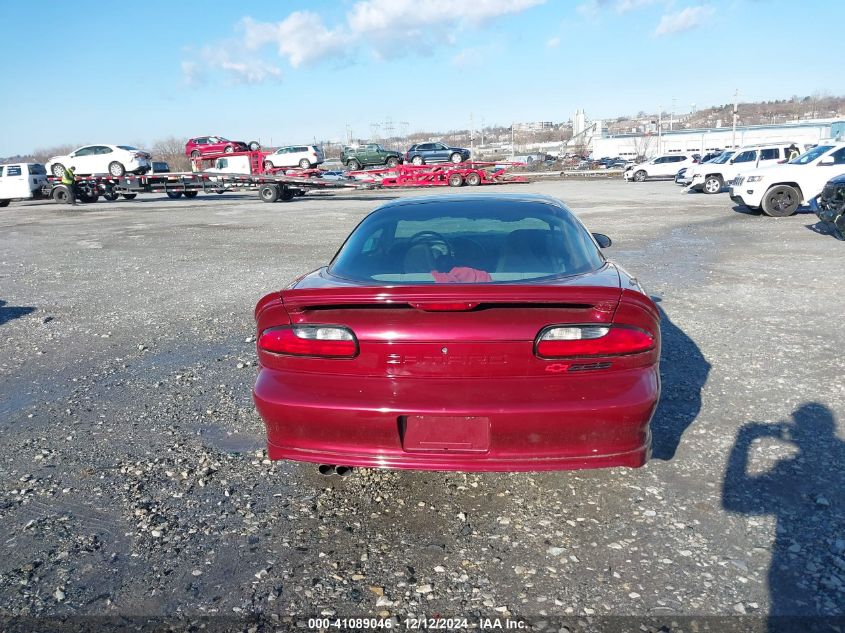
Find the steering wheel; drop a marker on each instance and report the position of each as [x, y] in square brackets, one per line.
[433, 240]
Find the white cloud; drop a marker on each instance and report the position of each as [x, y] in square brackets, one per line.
[689, 18]
[553, 42]
[247, 70]
[300, 38]
[593, 8]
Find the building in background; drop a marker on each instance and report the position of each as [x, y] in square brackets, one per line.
[705, 140]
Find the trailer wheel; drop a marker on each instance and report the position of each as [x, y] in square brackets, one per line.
[190, 194]
[473, 179]
[353, 164]
[173, 195]
[299, 192]
[61, 194]
[58, 170]
[254, 146]
[88, 198]
[287, 194]
[269, 193]
[111, 196]
[456, 180]
[305, 164]
[129, 196]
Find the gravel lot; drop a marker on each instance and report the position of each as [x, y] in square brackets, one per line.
[135, 481]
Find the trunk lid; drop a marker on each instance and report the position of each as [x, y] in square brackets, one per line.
[484, 330]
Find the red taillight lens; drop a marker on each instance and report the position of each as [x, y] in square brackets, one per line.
[592, 340]
[325, 341]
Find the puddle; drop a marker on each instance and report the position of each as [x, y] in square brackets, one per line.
[230, 441]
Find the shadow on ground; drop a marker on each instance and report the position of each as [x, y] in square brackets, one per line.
[10, 313]
[683, 374]
[805, 492]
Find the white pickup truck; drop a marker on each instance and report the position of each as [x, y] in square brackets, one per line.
[21, 181]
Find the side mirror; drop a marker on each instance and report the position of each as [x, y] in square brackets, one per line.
[827, 161]
[603, 240]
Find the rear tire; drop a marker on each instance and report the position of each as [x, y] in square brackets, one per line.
[473, 179]
[195, 154]
[174, 195]
[269, 193]
[456, 158]
[305, 164]
[456, 180]
[781, 201]
[392, 162]
[58, 170]
[4, 203]
[229, 149]
[89, 198]
[116, 169]
[712, 184]
[129, 196]
[418, 160]
[190, 194]
[640, 176]
[353, 164]
[61, 194]
[268, 165]
[254, 146]
[287, 194]
[111, 196]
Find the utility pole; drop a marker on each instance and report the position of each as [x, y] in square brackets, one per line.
[672, 117]
[513, 148]
[482, 131]
[659, 127]
[736, 109]
[471, 136]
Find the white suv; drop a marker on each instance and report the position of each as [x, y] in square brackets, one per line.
[115, 160]
[302, 156]
[660, 167]
[780, 190]
[711, 177]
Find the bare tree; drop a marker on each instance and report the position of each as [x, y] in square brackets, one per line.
[642, 144]
[43, 154]
[172, 150]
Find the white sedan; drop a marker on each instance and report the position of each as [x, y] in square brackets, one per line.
[115, 160]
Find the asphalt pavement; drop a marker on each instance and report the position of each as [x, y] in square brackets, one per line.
[135, 483]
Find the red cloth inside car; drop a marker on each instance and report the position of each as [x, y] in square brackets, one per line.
[461, 274]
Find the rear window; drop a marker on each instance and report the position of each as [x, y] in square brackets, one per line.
[37, 169]
[128, 148]
[469, 241]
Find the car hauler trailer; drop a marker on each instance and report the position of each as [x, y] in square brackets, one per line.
[270, 187]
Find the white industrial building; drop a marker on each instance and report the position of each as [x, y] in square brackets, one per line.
[706, 140]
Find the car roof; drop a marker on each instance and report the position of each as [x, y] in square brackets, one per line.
[514, 198]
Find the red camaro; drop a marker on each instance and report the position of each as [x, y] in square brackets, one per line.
[464, 332]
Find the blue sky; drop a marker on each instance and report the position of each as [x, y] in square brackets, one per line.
[290, 72]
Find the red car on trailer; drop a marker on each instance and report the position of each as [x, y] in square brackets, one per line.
[465, 332]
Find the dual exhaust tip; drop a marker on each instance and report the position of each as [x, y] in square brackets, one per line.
[327, 470]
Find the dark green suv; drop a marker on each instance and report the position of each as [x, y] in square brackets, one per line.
[368, 155]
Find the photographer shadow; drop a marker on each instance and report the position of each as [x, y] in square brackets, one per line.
[683, 374]
[805, 492]
[10, 313]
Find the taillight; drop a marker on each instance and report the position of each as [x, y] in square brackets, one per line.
[592, 340]
[328, 341]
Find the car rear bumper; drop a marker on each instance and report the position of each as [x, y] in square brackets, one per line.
[590, 420]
